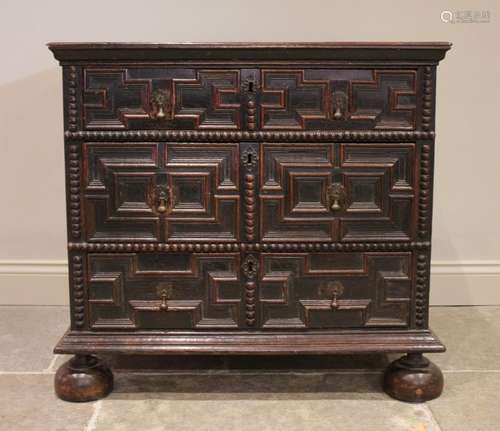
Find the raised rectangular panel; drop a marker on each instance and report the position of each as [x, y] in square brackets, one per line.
[205, 182]
[131, 97]
[378, 180]
[160, 291]
[295, 290]
[118, 191]
[293, 183]
[302, 99]
[121, 183]
[380, 191]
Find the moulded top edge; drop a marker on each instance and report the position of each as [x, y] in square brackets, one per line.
[234, 51]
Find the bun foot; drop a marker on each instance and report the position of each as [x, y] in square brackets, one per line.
[83, 378]
[413, 378]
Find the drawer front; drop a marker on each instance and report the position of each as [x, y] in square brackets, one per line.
[164, 291]
[308, 99]
[337, 191]
[160, 98]
[150, 191]
[335, 290]
[198, 291]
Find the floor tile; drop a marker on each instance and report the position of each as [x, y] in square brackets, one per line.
[470, 335]
[469, 402]
[244, 412]
[28, 334]
[28, 403]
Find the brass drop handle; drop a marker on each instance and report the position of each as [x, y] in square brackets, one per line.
[339, 105]
[335, 205]
[334, 303]
[334, 290]
[165, 198]
[336, 196]
[162, 207]
[164, 297]
[165, 292]
[161, 104]
[338, 113]
[160, 114]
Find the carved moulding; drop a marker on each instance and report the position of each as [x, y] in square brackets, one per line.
[422, 286]
[74, 191]
[230, 247]
[250, 268]
[427, 104]
[425, 190]
[223, 136]
[71, 95]
[77, 291]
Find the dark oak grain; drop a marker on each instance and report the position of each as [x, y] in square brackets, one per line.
[304, 51]
[414, 379]
[241, 198]
[83, 378]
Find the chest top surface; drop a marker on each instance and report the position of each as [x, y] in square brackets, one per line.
[262, 51]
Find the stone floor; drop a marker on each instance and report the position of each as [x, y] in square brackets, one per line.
[311, 393]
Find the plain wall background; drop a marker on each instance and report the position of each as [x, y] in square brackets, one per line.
[466, 251]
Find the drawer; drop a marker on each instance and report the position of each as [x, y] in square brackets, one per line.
[138, 98]
[364, 98]
[164, 291]
[293, 192]
[152, 191]
[198, 291]
[160, 97]
[335, 290]
[337, 191]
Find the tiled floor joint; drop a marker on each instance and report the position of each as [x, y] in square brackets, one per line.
[50, 368]
[246, 397]
[427, 409]
[92, 423]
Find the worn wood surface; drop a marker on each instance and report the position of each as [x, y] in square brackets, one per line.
[83, 378]
[249, 198]
[413, 379]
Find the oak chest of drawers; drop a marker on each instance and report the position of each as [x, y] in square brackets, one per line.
[249, 199]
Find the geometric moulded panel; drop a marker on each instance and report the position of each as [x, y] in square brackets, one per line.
[154, 290]
[335, 290]
[125, 185]
[376, 181]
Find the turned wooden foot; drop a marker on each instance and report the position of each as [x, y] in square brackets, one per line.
[83, 378]
[413, 378]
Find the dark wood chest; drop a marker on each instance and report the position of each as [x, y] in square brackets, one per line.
[249, 198]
